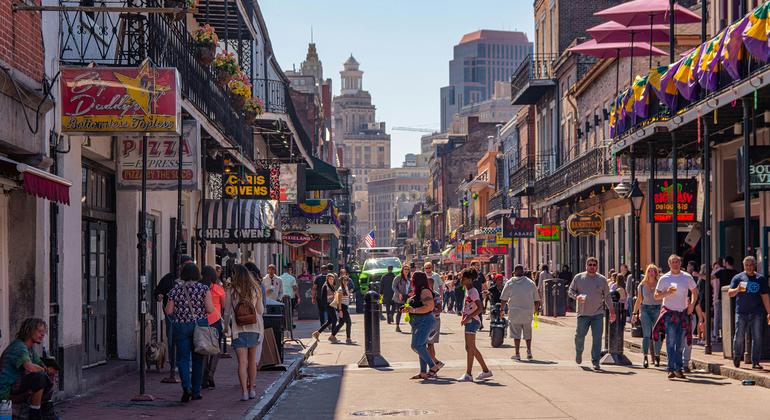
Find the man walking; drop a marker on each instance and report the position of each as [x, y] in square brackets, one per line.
[520, 293]
[592, 294]
[672, 288]
[319, 298]
[273, 284]
[750, 290]
[290, 287]
[400, 290]
[386, 288]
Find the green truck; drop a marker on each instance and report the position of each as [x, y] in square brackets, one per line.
[372, 272]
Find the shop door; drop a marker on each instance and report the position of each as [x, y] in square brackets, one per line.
[97, 279]
[766, 249]
[731, 239]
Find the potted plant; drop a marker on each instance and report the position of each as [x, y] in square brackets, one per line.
[240, 90]
[187, 5]
[206, 40]
[253, 108]
[225, 67]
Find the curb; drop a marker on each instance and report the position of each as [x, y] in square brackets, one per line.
[551, 321]
[275, 390]
[759, 379]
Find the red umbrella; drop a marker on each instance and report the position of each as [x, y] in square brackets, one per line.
[644, 12]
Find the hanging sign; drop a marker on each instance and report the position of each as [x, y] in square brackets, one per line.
[162, 160]
[547, 233]
[523, 227]
[585, 224]
[663, 200]
[296, 239]
[120, 100]
[292, 180]
[502, 240]
[759, 168]
[256, 185]
[495, 250]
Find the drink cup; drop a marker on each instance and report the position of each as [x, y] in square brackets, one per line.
[743, 285]
[675, 286]
[582, 298]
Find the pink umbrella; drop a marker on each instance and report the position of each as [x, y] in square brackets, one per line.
[615, 32]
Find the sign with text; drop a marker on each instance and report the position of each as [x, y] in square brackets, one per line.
[523, 227]
[759, 168]
[296, 239]
[502, 240]
[585, 224]
[495, 250]
[255, 185]
[119, 100]
[663, 200]
[547, 233]
[292, 180]
[162, 160]
[233, 235]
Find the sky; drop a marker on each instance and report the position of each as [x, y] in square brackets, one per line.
[403, 46]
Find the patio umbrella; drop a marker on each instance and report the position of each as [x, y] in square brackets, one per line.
[615, 32]
[650, 12]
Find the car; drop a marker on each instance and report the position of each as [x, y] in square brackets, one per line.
[372, 272]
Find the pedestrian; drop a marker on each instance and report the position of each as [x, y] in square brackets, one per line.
[24, 376]
[273, 284]
[647, 309]
[400, 292]
[290, 287]
[420, 305]
[435, 333]
[245, 306]
[750, 290]
[319, 297]
[496, 289]
[329, 292]
[166, 283]
[437, 285]
[189, 302]
[342, 306]
[523, 300]
[459, 294]
[592, 294]
[471, 321]
[257, 274]
[449, 293]
[480, 285]
[386, 288]
[675, 314]
[618, 284]
[209, 278]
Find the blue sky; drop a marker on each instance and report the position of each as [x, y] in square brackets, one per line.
[404, 47]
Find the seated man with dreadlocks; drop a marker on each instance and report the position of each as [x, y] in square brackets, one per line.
[24, 376]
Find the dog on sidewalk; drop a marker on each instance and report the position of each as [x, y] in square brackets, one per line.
[155, 353]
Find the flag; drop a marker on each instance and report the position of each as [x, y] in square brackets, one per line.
[755, 36]
[369, 239]
[613, 117]
[709, 60]
[732, 50]
[685, 76]
[641, 96]
[661, 81]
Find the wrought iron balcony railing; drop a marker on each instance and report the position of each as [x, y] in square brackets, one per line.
[532, 79]
[523, 177]
[274, 93]
[498, 201]
[595, 162]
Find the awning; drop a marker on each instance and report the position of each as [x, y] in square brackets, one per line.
[37, 182]
[322, 177]
[256, 224]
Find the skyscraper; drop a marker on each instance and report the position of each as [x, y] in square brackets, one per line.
[480, 59]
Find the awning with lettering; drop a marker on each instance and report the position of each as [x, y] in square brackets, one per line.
[244, 221]
[37, 182]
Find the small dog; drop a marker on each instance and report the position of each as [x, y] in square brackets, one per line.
[155, 353]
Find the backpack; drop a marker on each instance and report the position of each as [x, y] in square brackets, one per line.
[245, 313]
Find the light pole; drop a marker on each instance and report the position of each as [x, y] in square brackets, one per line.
[636, 197]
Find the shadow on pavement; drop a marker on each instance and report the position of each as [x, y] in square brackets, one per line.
[607, 372]
[314, 394]
[536, 362]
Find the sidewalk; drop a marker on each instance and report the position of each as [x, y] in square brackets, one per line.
[713, 363]
[114, 399]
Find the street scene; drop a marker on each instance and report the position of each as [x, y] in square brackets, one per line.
[286, 209]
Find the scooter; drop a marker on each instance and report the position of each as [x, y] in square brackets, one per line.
[497, 326]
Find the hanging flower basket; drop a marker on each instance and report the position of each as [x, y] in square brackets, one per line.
[222, 77]
[237, 101]
[206, 40]
[252, 108]
[225, 67]
[188, 5]
[205, 53]
[250, 117]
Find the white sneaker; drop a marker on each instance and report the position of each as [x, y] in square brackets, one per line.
[465, 378]
[484, 375]
[252, 393]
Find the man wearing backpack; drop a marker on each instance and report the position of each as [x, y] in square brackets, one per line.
[319, 294]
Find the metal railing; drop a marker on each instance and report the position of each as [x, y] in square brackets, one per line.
[523, 176]
[595, 162]
[498, 201]
[274, 93]
[533, 67]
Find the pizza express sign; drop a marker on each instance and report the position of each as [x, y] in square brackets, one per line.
[585, 224]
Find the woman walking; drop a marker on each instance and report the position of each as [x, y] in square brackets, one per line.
[420, 309]
[244, 305]
[209, 278]
[342, 301]
[400, 292]
[647, 309]
[189, 302]
[472, 321]
[618, 284]
[330, 291]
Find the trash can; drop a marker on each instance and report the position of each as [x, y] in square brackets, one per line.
[560, 298]
[274, 318]
[306, 308]
[548, 297]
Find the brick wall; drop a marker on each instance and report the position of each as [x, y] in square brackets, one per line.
[21, 43]
[577, 16]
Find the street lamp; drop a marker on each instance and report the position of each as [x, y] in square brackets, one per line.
[636, 197]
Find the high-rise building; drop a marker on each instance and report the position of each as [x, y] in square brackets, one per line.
[480, 59]
[392, 192]
[365, 144]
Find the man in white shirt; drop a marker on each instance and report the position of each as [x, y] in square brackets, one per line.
[672, 288]
[273, 284]
[290, 286]
[520, 293]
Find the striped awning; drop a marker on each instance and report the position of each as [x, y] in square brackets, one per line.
[244, 220]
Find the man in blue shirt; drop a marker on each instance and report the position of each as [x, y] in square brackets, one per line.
[752, 302]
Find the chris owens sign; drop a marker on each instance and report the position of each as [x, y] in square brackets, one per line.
[663, 198]
[248, 186]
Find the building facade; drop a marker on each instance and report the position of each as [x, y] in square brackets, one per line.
[392, 193]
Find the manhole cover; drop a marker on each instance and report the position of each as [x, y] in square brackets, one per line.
[394, 413]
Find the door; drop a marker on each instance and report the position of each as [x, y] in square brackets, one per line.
[731, 238]
[765, 249]
[97, 278]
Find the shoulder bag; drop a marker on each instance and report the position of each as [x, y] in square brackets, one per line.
[205, 338]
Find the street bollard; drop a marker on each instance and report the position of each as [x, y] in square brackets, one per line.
[372, 309]
[615, 346]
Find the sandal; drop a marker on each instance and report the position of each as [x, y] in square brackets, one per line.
[437, 367]
[418, 376]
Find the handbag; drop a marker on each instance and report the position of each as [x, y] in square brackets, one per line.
[205, 338]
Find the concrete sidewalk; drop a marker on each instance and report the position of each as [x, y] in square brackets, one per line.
[714, 363]
[113, 401]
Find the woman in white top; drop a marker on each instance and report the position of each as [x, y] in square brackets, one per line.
[245, 291]
[342, 301]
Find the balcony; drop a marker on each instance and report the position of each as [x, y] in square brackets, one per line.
[532, 79]
[274, 93]
[580, 172]
[498, 201]
[522, 181]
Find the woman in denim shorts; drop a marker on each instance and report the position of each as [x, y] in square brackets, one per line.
[472, 321]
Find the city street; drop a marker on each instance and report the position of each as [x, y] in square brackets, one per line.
[551, 386]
